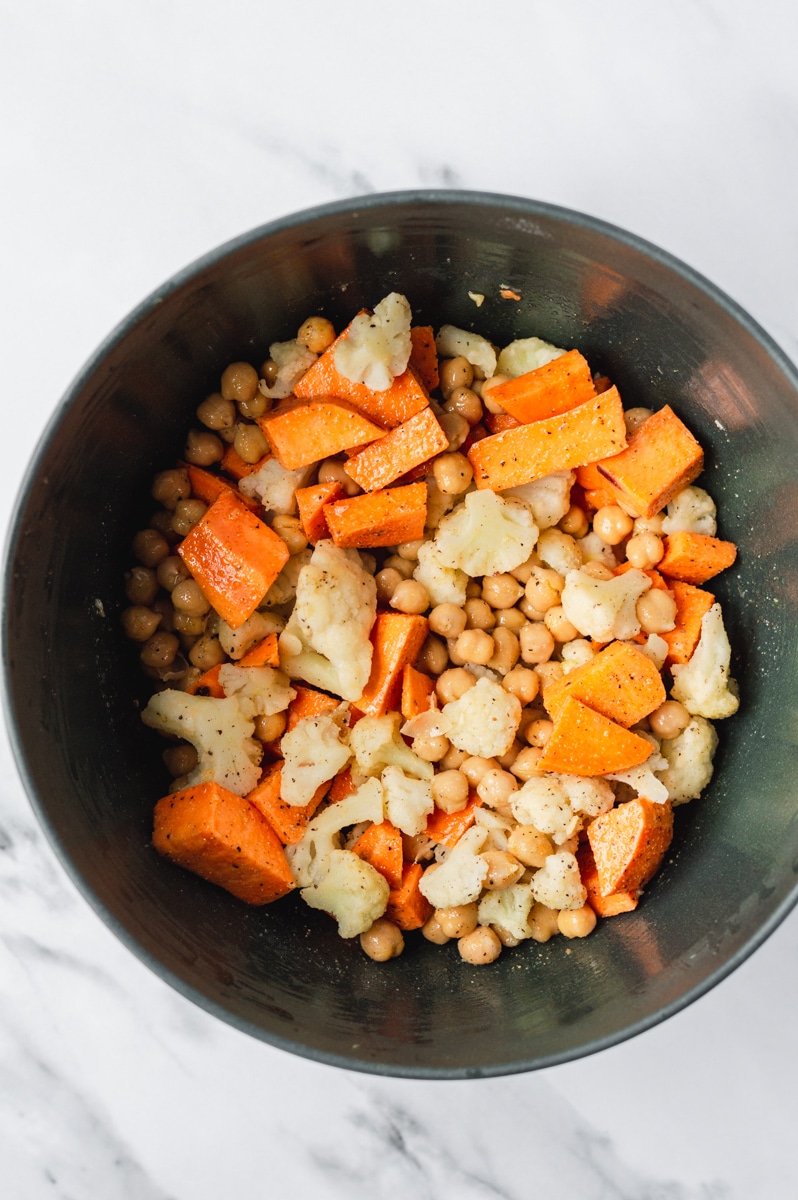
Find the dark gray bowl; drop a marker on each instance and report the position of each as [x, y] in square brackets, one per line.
[93, 772]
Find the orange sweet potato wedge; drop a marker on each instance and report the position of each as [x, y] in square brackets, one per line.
[301, 434]
[381, 846]
[308, 703]
[584, 742]
[424, 356]
[661, 459]
[342, 786]
[208, 487]
[629, 843]
[390, 408]
[498, 422]
[310, 502]
[417, 689]
[265, 654]
[289, 821]
[692, 605]
[223, 838]
[603, 906]
[207, 684]
[382, 518]
[233, 464]
[590, 431]
[234, 557]
[695, 557]
[397, 639]
[448, 828]
[621, 683]
[407, 908]
[554, 388]
[409, 445]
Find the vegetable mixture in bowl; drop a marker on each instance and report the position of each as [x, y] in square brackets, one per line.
[431, 635]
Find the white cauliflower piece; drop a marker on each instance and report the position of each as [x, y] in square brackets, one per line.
[549, 497]
[313, 753]
[459, 878]
[452, 342]
[276, 487]
[377, 743]
[351, 890]
[691, 511]
[484, 721]
[703, 684]
[486, 535]
[604, 609]
[509, 907]
[558, 883]
[237, 642]
[526, 354]
[689, 757]
[326, 641]
[408, 801]
[227, 753]
[576, 654]
[260, 691]
[438, 503]
[445, 585]
[643, 780]
[498, 827]
[655, 648]
[377, 347]
[559, 551]
[594, 550]
[283, 590]
[544, 803]
[308, 858]
[292, 361]
[589, 795]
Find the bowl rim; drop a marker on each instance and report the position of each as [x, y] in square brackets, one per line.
[523, 207]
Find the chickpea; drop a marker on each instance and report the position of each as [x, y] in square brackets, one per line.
[203, 448]
[432, 931]
[505, 937]
[188, 624]
[612, 524]
[526, 763]
[161, 521]
[139, 622]
[537, 644]
[239, 381]
[501, 591]
[450, 791]
[217, 413]
[188, 597]
[476, 646]
[249, 443]
[543, 588]
[453, 472]
[548, 673]
[258, 406]
[270, 370]
[475, 767]
[449, 620]
[382, 941]
[170, 486]
[454, 683]
[575, 522]
[171, 571]
[455, 659]
[473, 590]
[141, 585]
[459, 921]
[290, 530]
[635, 417]
[431, 749]
[149, 547]
[180, 760]
[387, 581]
[316, 334]
[507, 759]
[465, 402]
[656, 611]
[332, 471]
[453, 759]
[404, 567]
[486, 393]
[529, 845]
[207, 652]
[507, 650]
[409, 550]
[644, 550]
[650, 524]
[434, 657]
[524, 572]
[164, 606]
[576, 922]
[503, 870]
[455, 373]
[496, 788]
[543, 922]
[160, 650]
[523, 683]
[480, 947]
[457, 430]
[559, 626]
[597, 570]
[669, 719]
[410, 596]
[538, 732]
[511, 618]
[186, 515]
[479, 615]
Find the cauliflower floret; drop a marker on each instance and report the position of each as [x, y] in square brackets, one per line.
[237, 642]
[408, 801]
[276, 487]
[308, 858]
[459, 878]
[377, 743]
[377, 347]
[549, 497]
[452, 342]
[326, 641]
[642, 778]
[445, 585]
[589, 795]
[594, 550]
[544, 803]
[558, 883]
[283, 589]
[508, 907]
[220, 732]
[559, 551]
[655, 648]
[260, 691]
[313, 753]
[689, 756]
[350, 890]
[703, 684]
[499, 828]
[292, 361]
[486, 535]
[484, 720]
[438, 503]
[526, 354]
[604, 609]
[692, 511]
[576, 654]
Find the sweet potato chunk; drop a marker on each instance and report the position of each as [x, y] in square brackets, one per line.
[383, 518]
[407, 446]
[448, 828]
[584, 742]
[407, 908]
[310, 502]
[554, 388]
[661, 459]
[397, 639]
[621, 683]
[381, 845]
[225, 839]
[289, 821]
[692, 605]
[417, 689]
[308, 703]
[629, 843]
[301, 434]
[695, 557]
[603, 906]
[424, 356]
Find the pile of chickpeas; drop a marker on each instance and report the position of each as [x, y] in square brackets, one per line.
[512, 623]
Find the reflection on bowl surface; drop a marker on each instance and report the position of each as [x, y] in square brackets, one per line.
[282, 973]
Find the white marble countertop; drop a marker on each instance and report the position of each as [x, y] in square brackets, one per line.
[136, 138]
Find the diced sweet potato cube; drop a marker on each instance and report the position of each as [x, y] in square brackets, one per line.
[424, 356]
[692, 605]
[498, 422]
[383, 518]
[307, 432]
[554, 388]
[407, 908]
[621, 683]
[448, 828]
[289, 821]
[381, 846]
[208, 487]
[397, 639]
[265, 654]
[311, 502]
[661, 459]
[629, 843]
[207, 684]
[308, 703]
[342, 786]
[584, 742]
[417, 689]
[233, 464]
[695, 557]
[603, 906]
[409, 445]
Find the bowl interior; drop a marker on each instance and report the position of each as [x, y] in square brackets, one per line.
[74, 689]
